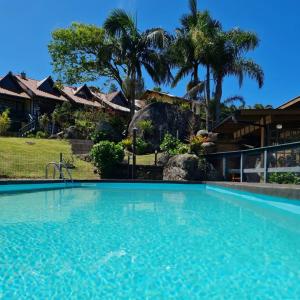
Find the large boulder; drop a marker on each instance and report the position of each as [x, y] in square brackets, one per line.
[186, 167]
[166, 118]
[72, 133]
[182, 168]
[107, 132]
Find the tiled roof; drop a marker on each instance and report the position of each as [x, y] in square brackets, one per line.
[14, 93]
[24, 87]
[34, 85]
[106, 99]
[70, 92]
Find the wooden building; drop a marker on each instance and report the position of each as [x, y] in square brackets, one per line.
[263, 127]
[27, 98]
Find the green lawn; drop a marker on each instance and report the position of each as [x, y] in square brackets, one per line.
[147, 159]
[27, 158]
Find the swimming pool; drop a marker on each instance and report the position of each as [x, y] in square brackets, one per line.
[148, 241]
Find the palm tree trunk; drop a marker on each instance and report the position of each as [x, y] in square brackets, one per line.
[207, 98]
[132, 95]
[218, 97]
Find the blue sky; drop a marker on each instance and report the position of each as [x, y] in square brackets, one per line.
[26, 26]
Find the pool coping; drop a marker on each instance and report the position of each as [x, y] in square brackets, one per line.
[289, 191]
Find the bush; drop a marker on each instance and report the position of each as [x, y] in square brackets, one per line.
[196, 144]
[4, 122]
[127, 144]
[142, 147]
[172, 145]
[146, 127]
[44, 122]
[284, 178]
[106, 156]
[41, 135]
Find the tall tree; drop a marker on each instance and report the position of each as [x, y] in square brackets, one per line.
[119, 51]
[230, 59]
[138, 50]
[190, 52]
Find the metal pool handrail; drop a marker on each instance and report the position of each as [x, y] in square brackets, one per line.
[59, 167]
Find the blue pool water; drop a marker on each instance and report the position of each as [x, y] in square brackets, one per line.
[141, 241]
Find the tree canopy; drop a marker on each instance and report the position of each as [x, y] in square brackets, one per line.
[118, 51]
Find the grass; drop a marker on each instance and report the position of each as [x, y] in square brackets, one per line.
[145, 160]
[27, 158]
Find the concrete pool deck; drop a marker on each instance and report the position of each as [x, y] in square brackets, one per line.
[290, 191]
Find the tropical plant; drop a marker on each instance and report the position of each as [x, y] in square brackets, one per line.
[44, 122]
[127, 144]
[192, 49]
[119, 52]
[230, 59]
[146, 127]
[172, 145]
[5, 122]
[201, 41]
[142, 147]
[41, 135]
[284, 178]
[107, 155]
[63, 115]
[196, 143]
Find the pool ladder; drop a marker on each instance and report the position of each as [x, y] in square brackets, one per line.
[59, 167]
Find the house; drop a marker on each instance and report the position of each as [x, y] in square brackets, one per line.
[151, 96]
[263, 127]
[27, 98]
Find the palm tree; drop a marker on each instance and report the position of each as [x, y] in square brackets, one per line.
[135, 51]
[229, 60]
[191, 49]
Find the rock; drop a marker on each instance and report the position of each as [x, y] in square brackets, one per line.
[166, 118]
[212, 137]
[202, 133]
[72, 133]
[109, 132]
[163, 159]
[207, 172]
[209, 147]
[182, 168]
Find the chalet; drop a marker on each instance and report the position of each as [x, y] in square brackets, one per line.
[263, 127]
[27, 98]
[151, 96]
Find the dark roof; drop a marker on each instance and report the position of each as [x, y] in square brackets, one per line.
[245, 117]
[151, 94]
[291, 103]
[11, 87]
[43, 89]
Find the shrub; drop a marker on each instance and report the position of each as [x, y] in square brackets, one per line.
[172, 145]
[196, 144]
[284, 178]
[44, 122]
[127, 144]
[4, 122]
[142, 147]
[106, 156]
[146, 127]
[41, 135]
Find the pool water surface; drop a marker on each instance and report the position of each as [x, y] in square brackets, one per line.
[148, 241]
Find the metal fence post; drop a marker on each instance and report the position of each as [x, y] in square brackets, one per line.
[224, 163]
[265, 166]
[60, 165]
[134, 152]
[242, 168]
